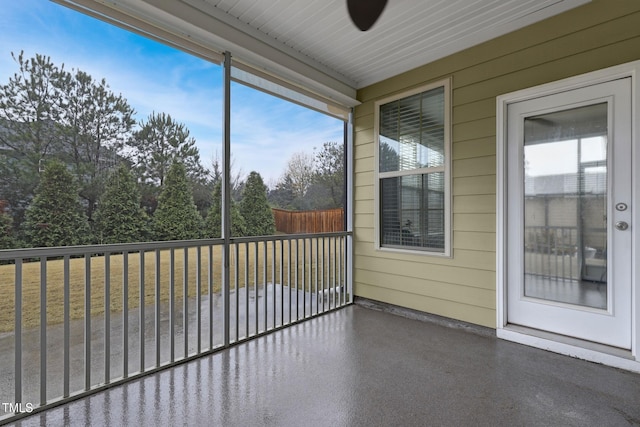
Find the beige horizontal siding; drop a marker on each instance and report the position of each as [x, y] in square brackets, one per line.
[452, 274]
[484, 203]
[481, 109]
[476, 166]
[363, 178]
[479, 260]
[474, 222]
[364, 164]
[441, 290]
[480, 128]
[474, 148]
[468, 313]
[600, 34]
[364, 220]
[471, 185]
[363, 206]
[478, 241]
[365, 135]
[365, 192]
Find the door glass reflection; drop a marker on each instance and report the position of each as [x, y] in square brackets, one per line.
[565, 206]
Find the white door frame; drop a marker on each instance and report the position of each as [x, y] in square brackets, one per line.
[573, 347]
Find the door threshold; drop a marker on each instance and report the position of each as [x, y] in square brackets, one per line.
[574, 347]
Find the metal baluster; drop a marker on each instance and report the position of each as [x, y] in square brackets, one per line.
[185, 300]
[210, 290]
[264, 271]
[339, 270]
[107, 318]
[317, 240]
[548, 255]
[157, 307]
[281, 263]
[125, 314]
[273, 279]
[571, 263]
[255, 282]
[349, 267]
[297, 263]
[289, 280]
[338, 264]
[246, 288]
[87, 322]
[563, 252]
[172, 295]
[322, 258]
[304, 276]
[237, 291]
[66, 296]
[198, 299]
[335, 272]
[329, 278]
[18, 332]
[141, 320]
[343, 289]
[43, 331]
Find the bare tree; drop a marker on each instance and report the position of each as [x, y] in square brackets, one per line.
[236, 174]
[300, 170]
[330, 175]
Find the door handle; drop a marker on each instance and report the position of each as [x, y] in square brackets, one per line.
[622, 225]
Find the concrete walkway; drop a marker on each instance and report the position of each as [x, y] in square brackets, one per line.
[362, 367]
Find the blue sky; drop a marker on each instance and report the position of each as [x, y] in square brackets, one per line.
[154, 77]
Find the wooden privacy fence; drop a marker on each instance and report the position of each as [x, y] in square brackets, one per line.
[320, 221]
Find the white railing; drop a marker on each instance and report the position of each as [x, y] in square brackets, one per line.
[74, 320]
[552, 252]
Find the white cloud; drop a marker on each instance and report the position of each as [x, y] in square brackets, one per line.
[265, 130]
[265, 142]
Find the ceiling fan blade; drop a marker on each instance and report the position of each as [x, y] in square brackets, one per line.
[364, 13]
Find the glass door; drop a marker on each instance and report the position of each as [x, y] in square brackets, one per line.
[569, 195]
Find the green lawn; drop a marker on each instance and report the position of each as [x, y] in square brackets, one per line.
[55, 281]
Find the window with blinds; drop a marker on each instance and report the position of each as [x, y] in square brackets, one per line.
[413, 173]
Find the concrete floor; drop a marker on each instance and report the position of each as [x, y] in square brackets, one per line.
[363, 367]
[306, 303]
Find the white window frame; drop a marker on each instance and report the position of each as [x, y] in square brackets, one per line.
[446, 168]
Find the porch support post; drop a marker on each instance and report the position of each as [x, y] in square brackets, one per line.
[226, 195]
[348, 204]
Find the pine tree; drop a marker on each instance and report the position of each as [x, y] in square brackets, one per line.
[29, 131]
[213, 223]
[176, 217]
[55, 216]
[6, 230]
[96, 124]
[119, 217]
[255, 209]
[161, 142]
[47, 112]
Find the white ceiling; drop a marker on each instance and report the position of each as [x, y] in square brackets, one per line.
[313, 43]
[409, 33]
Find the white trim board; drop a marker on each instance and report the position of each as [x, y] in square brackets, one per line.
[573, 350]
[558, 344]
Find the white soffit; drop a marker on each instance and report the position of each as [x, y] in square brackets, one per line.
[313, 43]
[410, 33]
